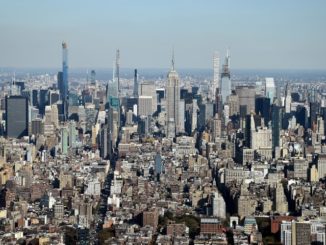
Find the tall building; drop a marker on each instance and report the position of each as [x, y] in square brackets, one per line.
[172, 102]
[233, 102]
[145, 107]
[216, 78]
[270, 89]
[37, 126]
[280, 202]
[16, 116]
[261, 138]
[136, 83]
[117, 69]
[43, 100]
[216, 128]
[63, 83]
[93, 77]
[288, 99]
[321, 165]
[218, 204]
[277, 115]
[149, 89]
[225, 89]
[181, 115]
[300, 168]
[54, 96]
[158, 164]
[301, 115]
[246, 96]
[112, 90]
[65, 70]
[262, 108]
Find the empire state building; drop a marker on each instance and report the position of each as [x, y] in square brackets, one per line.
[173, 123]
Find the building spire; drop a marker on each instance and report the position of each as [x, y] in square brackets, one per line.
[228, 57]
[172, 61]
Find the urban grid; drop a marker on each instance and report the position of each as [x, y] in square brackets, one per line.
[169, 159]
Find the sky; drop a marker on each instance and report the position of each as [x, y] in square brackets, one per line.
[260, 34]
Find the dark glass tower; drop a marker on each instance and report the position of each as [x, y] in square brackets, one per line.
[277, 114]
[16, 116]
[301, 115]
[43, 100]
[93, 77]
[262, 107]
[64, 71]
[136, 84]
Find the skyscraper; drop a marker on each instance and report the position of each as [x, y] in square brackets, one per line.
[263, 107]
[136, 84]
[288, 99]
[270, 89]
[65, 70]
[149, 89]
[216, 78]
[112, 89]
[63, 81]
[16, 116]
[246, 95]
[226, 79]
[172, 102]
[218, 205]
[93, 77]
[277, 115]
[117, 69]
[145, 107]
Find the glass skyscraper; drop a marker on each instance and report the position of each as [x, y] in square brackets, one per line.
[64, 71]
[16, 116]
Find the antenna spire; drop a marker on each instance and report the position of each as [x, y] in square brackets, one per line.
[172, 59]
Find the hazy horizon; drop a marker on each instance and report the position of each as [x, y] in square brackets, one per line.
[261, 35]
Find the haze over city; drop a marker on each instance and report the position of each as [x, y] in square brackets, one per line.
[162, 122]
[260, 34]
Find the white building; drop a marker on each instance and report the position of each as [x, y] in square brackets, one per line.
[149, 89]
[270, 89]
[93, 188]
[218, 205]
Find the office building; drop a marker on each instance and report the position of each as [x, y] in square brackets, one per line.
[150, 218]
[233, 102]
[321, 166]
[262, 108]
[37, 126]
[216, 79]
[280, 202]
[135, 93]
[225, 88]
[270, 89]
[218, 205]
[116, 73]
[158, 164]
[16, 116]
[93, 78]
[277, 115]
[172, 102]
[145, 107]
[148, 89]
[246, 95]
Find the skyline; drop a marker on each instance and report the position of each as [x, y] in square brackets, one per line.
[277, 35]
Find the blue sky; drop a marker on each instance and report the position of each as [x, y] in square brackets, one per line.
[274, 34]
